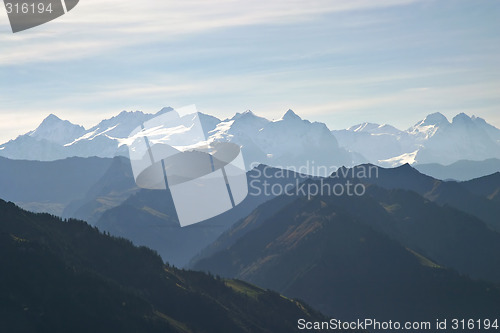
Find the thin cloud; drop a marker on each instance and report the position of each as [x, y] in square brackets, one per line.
[95, 27]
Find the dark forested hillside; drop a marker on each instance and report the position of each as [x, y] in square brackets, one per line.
[61, 276]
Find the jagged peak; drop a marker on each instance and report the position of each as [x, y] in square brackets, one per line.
[245, 114]
[478, 119]
[125, 112]
[248, 112]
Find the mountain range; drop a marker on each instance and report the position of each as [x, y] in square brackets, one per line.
[261, 141]
[287, 142]
[432, 140]
[423, 241]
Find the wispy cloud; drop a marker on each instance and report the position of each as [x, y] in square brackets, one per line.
[95, 27]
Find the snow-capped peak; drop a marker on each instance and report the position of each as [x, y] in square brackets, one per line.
[122, 124]
[56, 130]
[436, 118]
[241, 124]
[290, 115]
[428, 127]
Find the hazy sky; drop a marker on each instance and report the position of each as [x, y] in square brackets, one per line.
[339, 62]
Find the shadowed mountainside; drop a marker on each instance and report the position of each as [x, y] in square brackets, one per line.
[366, 265]
[67, 277]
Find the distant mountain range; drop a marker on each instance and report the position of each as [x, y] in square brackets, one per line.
[432, 140]
[287, 142]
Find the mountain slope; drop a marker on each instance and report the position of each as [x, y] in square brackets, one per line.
[487, 186]
[67, 277]
[149, 217]
[318, 251]
[113, 188]
[445, 235]
[442, 192]
[461, 170]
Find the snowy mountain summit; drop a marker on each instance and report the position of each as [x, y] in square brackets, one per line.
[432, 140]
[56, 130]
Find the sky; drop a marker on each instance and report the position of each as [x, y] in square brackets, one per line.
[341, 62]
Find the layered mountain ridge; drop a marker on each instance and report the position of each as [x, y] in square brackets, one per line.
[408, 249]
